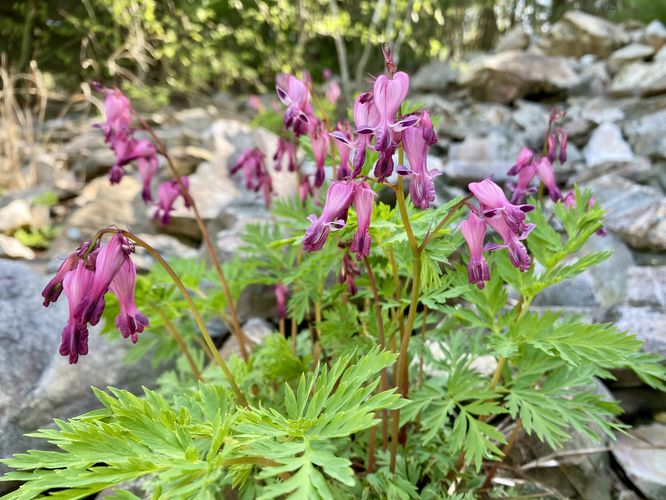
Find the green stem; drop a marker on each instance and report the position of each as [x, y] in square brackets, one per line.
[235, 322]
[442, 223]
[195, 312]
[182, 345]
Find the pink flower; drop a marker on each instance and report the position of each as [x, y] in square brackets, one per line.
[54, 288]
[544, 169]
[305, 189]
[517, 252]
[389, 93]
[348, 273]
[74, 339]
[334, 215]
[525, 157]
[422, 185]
[319, 141]
[130, 321]
[110, 259]
[493, 202]
[118, 112]
[473, 230]
[281, 296]
[364, 198]
[332, 92]
[294, 94]
[167, 194]
[287, 148]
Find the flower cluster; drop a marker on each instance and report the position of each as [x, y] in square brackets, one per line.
[508, 221]
[85, 277]
[530, 164]
[119, 135]
[255, 174]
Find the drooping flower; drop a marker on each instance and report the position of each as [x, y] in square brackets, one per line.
[127, 150]
[319, 141]
[525, 157]
[281, 296]
[511, 241]
[167, 194]
[389, 93]
[385, 164]
[493, 202]
[333, 216]
[343, 147]
[288, 149]
[147, 169]
[295, 94]
[348, 273]
[54, 287]
[364, 198]
[332, 92]
[77, 284]
[305, 189]
[422, 185]
[473, 230]
[521, 188]
[111, 257]
[130, 321]
[429, 134]
[118, 111]
[544, 169]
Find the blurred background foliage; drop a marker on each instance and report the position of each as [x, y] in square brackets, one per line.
[163, 50]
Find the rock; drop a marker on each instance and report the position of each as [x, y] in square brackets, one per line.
[255, 329]
[37, 383]
[533, 120]
[600, 110]
[639, 78]
[655, 34]
[646, 134]
[436, 76]
[634, 52]
[87, 155]
[647, 323]
[167, 246]
[514, 39]
[102, 204]
[595, 78]
[507, 76]
[14, 215]
[577, 34]
[642, 455]
[646, 285]
[636, 213]
[13, 248]
[607, 145]
[231, 224]
[661, 55]
[639, 170]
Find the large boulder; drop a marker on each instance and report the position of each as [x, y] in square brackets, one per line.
[634, 52]
[514, 39]
[640, 78]
[509, 75]
[645, 132]
[436, 76]
[578, 33]
[37, 383]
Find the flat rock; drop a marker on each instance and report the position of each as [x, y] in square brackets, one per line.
[642, 455]
[14, 215]
[645, 133]
[646, 322]
[509, 75]
[13, 248]
[636, 213]
[633, 52]
[435, 76]
[514, 39]
[607, 145]
[646, 285]
[655, 34]
[578, 33]
[640, 78]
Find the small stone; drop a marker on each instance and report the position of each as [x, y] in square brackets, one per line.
[607, 145]
[639, 78]
[13, 248]
[655, 34]
[634, 52]
[642, 455]
[15, 215]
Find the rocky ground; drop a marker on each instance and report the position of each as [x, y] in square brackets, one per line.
[611, 80]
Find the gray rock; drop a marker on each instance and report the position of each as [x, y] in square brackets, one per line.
[639, 170]
[231, 224]
[660, 56]
[577, 34]
[655, 34]
[600, 110]
[255, 329]
[507, 76]
[478, 157]
[634, 52]
[636, 213]
[642, 455]
[646, 134]
[14, 249]
[36, 383]
[15, 215]
[639, 78]
[607, 145]
[647, 323]
[87, 155]
[646, 285]
[514, 39]
[595, 78]
[167, 246]
[532, 119]
[436, 76]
